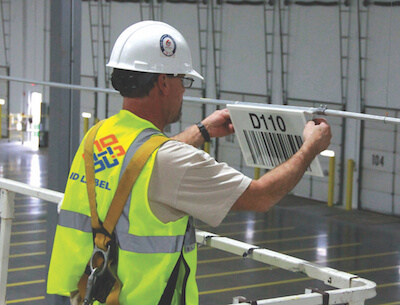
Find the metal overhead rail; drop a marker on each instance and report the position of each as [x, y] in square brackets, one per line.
[154, 10]
[308, 110]
[351, 289]
[324, 111]
[5, 29]
[203, 13]
[216, 23]
[284, 14]
[269, 35]
[355, 115]
[58, 85]
[5, 7]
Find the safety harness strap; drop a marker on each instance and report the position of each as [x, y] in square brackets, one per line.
[125, 184]
[166, 298]
[103, 233]
[89, 170]
[128, 180]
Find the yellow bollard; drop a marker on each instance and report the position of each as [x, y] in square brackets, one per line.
[86, 116]
[349, 184]
[207, 147]
[256, 173]
[331, 181]
[85, 125]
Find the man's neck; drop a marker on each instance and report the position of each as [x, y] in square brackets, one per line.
[145, 108]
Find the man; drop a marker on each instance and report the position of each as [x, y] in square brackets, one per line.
[157, 253]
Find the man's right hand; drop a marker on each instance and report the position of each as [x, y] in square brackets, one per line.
[317, 135]
[263, 193]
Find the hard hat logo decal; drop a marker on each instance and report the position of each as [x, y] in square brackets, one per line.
[167, 45]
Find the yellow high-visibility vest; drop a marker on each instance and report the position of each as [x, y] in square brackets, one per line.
[148, 248]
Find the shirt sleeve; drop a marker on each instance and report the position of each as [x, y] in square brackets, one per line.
[188, 181]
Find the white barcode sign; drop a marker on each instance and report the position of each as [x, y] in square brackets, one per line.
[269, 135]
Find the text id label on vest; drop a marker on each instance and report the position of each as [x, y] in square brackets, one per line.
[81, 178]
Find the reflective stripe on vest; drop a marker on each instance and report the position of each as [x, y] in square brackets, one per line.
[133, 243]
[130, 242]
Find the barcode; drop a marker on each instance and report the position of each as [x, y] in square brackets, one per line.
[272, 149]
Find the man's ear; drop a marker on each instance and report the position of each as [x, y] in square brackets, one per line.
[162, 82]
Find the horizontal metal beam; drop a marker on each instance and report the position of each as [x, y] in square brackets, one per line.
[358, 116]
[29, 190]
[309, 110]
[324, 111]
[58, 85]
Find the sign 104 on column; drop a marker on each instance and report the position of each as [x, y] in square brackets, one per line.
[269, 135]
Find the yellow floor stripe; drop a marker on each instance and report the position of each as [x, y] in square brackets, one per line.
[30, 213]
[28, 232]
[26, 283]
[356, 257]
[295, 280]
[217, 260]
[258, 231]
[254, 286]
[25, 300]
[18, 198]
[27, 268]
[225, 259]
[17, 223]
[315, 248]
[205, 276]
[27, 254]
[394, 303]
[28, 205]
[298, 280]
[374, 269]
[279, 240]
[35, 242]
[388, 285]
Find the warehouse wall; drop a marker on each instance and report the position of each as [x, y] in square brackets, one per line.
[340, 56]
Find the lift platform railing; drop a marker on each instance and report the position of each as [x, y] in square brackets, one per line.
[351, 289]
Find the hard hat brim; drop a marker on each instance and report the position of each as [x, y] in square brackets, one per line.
[195, 74]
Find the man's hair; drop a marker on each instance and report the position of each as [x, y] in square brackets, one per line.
[133, 83]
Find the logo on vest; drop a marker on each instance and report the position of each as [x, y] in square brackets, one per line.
[108, 153]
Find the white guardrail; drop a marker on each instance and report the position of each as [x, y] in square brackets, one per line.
[352, 289]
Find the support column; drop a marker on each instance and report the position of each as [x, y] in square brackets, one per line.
[64, 118]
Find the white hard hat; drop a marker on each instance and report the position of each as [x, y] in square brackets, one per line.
[153, 47]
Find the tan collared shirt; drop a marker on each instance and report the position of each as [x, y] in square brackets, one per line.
[188, 181]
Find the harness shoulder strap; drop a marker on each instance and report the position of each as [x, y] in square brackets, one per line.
[89, 171]
[103, 235]
[126, 182]
[128, 179]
